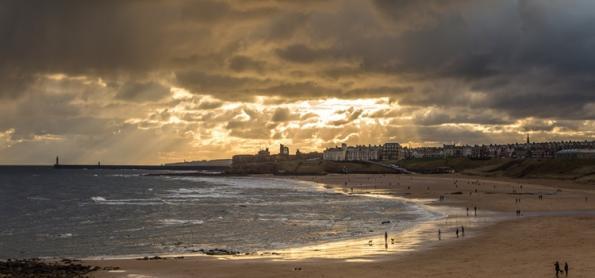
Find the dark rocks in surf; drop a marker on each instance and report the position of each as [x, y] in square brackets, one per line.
[219, 252]
[40, 268]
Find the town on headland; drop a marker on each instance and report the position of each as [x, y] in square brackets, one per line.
[567, 159]
[574, 160]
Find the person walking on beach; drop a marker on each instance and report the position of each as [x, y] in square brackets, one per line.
[467, 211]
[462, 231]
[439, 234]
[457, 232]
[475, 210]
[557, 268]
[566, 268]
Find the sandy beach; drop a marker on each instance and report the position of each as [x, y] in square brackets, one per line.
[556, 223]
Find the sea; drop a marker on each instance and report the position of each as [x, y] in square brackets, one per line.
[78, 213]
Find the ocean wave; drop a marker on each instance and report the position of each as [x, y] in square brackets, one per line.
[98, 199]
[168, 222]
[198, 193]
[138, 202]
[125, 175]
[38, 198]
[256, 183]
[64, 235]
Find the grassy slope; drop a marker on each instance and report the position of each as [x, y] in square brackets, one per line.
[458, 164]
[574, 169]
[312, 167]
[582, 170]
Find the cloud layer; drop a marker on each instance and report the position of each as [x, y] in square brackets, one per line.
[160, 81]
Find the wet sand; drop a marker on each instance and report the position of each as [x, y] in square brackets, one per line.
[561, 226]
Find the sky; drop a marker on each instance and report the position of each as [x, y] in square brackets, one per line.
[163, 81]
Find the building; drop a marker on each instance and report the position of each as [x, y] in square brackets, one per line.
[388, 151]
[392, 151]
[576, 154]
[283, 150]
[336, 153]
[363, 153]
[425, 152]
[263, 155]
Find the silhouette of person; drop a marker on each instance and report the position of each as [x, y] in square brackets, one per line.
[557, 268]
[457, 232]
[467, 211]
[439, 234]
[566, 268]
[462, 231]
[475, 209]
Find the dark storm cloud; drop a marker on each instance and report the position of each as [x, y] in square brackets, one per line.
[456, 39]
[299, 90]
[283, 115]
[384, 91]
[107, 38]
[208, 105]
[142, 91]
[535, 54]
[244, 63]
[74, 36]
[92, 69]
[457, 116]
[413, 13]
[203, 82]
[301, 53]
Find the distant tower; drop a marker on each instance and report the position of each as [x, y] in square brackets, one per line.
[57, 161]
[283, 150]
[528, 142]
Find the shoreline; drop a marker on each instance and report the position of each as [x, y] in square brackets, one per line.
[566, 202]
[325, 248]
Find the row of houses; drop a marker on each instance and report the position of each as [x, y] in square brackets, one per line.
[542, 150]
[388, 151]
[394, 151]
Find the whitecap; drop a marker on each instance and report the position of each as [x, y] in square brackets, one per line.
[180, 222]
[140, 202]
[98, 199]
[65, 235]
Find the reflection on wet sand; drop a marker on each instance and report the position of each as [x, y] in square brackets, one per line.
[423, 234]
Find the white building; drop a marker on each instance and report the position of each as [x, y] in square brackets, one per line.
[353, 153]
[364, 153]
[336, 153]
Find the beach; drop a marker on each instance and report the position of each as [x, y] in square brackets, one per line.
[559, 226]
